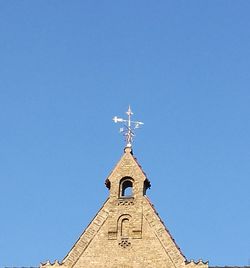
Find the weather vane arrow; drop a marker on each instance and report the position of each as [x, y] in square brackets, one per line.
[128, 127]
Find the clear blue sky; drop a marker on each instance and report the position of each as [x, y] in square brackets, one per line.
[67, 67]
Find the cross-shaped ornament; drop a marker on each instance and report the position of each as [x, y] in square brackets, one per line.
[129, 127]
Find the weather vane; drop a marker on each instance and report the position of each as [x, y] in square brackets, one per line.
[129, 127]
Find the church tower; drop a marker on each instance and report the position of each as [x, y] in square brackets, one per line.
[127, 232]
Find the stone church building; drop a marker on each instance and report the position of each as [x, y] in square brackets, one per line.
[126, 232]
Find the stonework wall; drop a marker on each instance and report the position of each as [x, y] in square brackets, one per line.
[126, 232]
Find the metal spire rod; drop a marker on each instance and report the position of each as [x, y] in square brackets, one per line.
[129, 127]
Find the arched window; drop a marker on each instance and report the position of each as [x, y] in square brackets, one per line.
[126, 187]
[124, 226]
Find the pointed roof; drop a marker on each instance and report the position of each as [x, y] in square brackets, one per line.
[130, 160]
[127, 231]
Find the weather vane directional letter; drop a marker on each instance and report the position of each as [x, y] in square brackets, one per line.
[129, 127]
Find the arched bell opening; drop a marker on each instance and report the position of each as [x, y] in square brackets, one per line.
[126, 187]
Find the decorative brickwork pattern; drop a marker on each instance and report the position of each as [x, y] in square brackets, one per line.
[124, 243]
